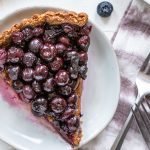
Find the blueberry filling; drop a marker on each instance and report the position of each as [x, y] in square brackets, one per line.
[44, 64]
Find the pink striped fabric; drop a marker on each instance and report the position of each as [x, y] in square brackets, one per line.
[132, 44]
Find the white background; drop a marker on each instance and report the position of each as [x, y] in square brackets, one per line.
[108, 25]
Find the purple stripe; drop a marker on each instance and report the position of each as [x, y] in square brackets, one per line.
[122, 114]
[115, 34]
[131, 57]
[128, 88]
[137, 21]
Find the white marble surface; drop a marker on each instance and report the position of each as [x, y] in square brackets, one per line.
[108, 25]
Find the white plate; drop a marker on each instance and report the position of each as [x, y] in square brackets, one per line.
[147, 1]
[99, 99]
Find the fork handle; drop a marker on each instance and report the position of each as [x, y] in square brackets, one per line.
[124, 130]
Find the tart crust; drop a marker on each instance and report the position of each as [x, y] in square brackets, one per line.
[51, 17]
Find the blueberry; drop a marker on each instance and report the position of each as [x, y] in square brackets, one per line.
[38, 31]
[60, 48]
[83, 71]
[36, 87]
[72, 100]
[48, 85]
[65, 90]
[13, 72]
[27, 74]
[29, 59]
[17, 37]
[73, 124]
[56, 64]
[62, 78]
[28, 92]
[104, 9]
[3, 56]
[39, 106]
[35, 45]
[69, 112]
[28, 34]
[58, 105]
[18, 86]
[48, 52]
[40, 72]
[64, 40]
[15, 55]
[84, 42]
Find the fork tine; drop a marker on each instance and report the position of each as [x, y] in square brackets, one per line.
[147, 103]
[146, 113]
[144, 65]
[141, 129]
[141, 115]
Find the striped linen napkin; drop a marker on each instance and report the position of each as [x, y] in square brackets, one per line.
[132, 44]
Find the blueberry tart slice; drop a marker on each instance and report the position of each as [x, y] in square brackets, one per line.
[43, 59]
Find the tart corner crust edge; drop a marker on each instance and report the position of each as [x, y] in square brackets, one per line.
[51, 17]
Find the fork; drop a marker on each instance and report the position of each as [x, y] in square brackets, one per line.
[143, 87]
[142, 118]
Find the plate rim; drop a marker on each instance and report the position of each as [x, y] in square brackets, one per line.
[115, 61]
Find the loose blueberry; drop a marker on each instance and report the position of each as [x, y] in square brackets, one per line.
[39, 106]
[58, 105]
[15, 55]
[27, 74]
[40, 72]
[61, 77]
[104, 9]
[29, 59]
[35, 45]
